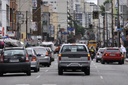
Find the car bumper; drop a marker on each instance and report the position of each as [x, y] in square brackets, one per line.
[14, 67]
[45, 60]
[74, 64]
[113, 59]
[34, 64]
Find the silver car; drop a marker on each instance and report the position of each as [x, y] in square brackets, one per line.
[43, 56]
[99, 54]
[34, 59]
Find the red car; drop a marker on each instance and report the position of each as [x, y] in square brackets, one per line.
[112, 55]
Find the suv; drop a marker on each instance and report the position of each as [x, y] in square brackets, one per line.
[74, 56]
[14, 59]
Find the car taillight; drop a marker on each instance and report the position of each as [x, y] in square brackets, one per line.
[46, 54]
[59, 56]
[106, 54]
[88, 56]
[1, 59]
[34, 58]
[27, 59]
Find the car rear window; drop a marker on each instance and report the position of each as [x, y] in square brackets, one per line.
[40, 50]
[112, 50]
[14, 53]
[101, 50]
[74, 48]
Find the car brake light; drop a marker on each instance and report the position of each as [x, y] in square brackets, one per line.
[88, 56]
[27, 59]
[59, 56]
[34, 58]
[106, 54]
[1, 59]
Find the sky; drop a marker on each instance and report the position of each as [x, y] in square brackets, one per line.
[95, 1]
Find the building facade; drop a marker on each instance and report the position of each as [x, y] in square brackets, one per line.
[4, 16]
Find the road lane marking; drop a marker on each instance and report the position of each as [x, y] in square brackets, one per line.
[101, 77]
[46, 71]
[48, 84]
[22, 84]
[38, 76]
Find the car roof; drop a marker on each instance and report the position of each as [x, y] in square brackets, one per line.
[14, 48]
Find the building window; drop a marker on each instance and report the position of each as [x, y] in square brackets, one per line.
[7, 13]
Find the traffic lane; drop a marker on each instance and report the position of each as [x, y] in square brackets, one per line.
[49, 76]
[113, 73]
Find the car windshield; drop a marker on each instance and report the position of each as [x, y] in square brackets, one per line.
[40, 50]
[14, 53]
[29, 51]
[74, 48]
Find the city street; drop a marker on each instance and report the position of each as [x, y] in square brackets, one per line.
[108, 74]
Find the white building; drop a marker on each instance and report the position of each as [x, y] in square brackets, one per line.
[4, 16]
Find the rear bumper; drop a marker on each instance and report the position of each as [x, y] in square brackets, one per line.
[113, 59]
[73, 64]
[14, 67]
[34, 64]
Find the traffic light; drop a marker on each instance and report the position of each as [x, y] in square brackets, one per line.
[95, 15]
[69, 19]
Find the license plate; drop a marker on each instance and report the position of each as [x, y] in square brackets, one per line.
[14, 60]
[112, 54]
[74, 64]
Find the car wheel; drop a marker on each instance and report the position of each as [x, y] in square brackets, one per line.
[96, 60]
[120, 62]
[28, 73]
[60, 71]
[87, 71]
[123, 61]
[36, 69]
[102, 61]
[1, 74]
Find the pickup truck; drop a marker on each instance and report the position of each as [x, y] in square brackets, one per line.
[74, 57]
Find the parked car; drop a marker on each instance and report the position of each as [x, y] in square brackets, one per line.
[74, 57]
[35, 65]
[14, 59]
[42, 54]
[99, 54]
[112, 54]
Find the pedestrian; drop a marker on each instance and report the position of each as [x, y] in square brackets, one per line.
[123, 51]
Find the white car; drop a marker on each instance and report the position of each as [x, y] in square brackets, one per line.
[99, 54]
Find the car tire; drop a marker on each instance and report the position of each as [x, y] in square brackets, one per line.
[28, 73]
[1, 74]
[87, 71]
[102, 61]
[120, 62]
[123, 61]
[60, 71]
[96, 60]
[36, 69]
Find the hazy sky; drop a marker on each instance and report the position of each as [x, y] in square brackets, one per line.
[95, 1]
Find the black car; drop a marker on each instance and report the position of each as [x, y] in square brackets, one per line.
[13, 60]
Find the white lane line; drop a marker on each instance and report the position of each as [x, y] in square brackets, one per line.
[38, 76]
[48, 84]
[101, 77]
[22, 84]
[46, 71]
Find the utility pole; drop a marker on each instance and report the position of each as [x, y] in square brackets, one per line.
[104, 30]
[118, 27]
[112, 24]
[106, 27]
[26, 24]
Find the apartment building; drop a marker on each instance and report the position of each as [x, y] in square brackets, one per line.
[4, 17]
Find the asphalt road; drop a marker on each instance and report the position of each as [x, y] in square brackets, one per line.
[108, 74]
